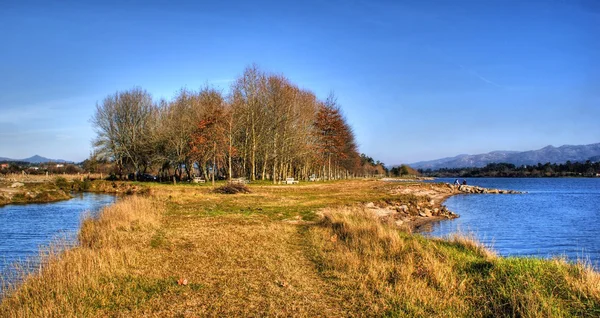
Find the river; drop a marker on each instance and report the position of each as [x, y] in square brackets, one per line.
[556, 217]
[25, 228]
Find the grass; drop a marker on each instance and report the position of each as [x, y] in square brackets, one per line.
[391, 273]
[32, 192]
[73, 282]
[285, 250]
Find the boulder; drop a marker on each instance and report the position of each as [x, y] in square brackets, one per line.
[427, 212]
[17, 185]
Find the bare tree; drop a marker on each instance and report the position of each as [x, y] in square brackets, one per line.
[267, 128]
[123, 125]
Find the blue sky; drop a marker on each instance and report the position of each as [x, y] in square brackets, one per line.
[417, 80]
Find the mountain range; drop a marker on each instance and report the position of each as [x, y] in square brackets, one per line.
[34, 159]
[562, 154]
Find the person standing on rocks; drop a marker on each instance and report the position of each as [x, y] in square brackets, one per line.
[464, 181]
[456, 183]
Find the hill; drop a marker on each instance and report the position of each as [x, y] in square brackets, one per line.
[562, 154]
[34, 159]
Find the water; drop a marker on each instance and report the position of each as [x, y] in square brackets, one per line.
[24, 228]
[556, 217]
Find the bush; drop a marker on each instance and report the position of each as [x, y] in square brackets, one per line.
[86, 185]
[62, 183]
[232, 188]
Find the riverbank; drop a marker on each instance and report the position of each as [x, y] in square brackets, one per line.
[40, 189]
[313, 249]
[14, 192]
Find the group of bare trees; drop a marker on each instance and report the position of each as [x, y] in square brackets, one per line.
[265, 128]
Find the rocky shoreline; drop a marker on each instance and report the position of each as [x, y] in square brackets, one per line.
[480, 190]
[421, 203]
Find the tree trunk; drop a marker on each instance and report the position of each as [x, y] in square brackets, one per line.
[230, 147]
[214, 167]
[264, 168]
[329, 172]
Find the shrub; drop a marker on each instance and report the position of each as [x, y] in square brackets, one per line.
[86, 184]
[232, 188]
[61, 183]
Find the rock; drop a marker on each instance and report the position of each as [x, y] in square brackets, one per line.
[404, 208]
[427, 212]
[399, 222]
[436, 210]
[422, 214]
[370, 205]
[431, 202]
[17, 185]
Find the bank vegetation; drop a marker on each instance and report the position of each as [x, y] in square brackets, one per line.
[296, 250]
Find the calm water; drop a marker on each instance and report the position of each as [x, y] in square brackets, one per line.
[24, 228]
[557, 217]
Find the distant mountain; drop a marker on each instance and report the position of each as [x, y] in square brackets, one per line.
[35, 159]
[550, 154]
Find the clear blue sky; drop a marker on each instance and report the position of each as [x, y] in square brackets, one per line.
[416, 79]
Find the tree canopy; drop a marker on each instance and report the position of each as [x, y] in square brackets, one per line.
[265, 127]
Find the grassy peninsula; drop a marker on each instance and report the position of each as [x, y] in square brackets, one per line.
[20, 191]
[313, 249]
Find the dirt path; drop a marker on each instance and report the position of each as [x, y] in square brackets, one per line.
[246, 267]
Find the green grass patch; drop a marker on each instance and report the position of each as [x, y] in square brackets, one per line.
[159, 240]
[129, 292]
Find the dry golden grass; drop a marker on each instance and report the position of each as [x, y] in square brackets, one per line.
[245, 255]
[387, 272]
[129, 262]
[12, 177]
[381, 269]
[70, 281]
